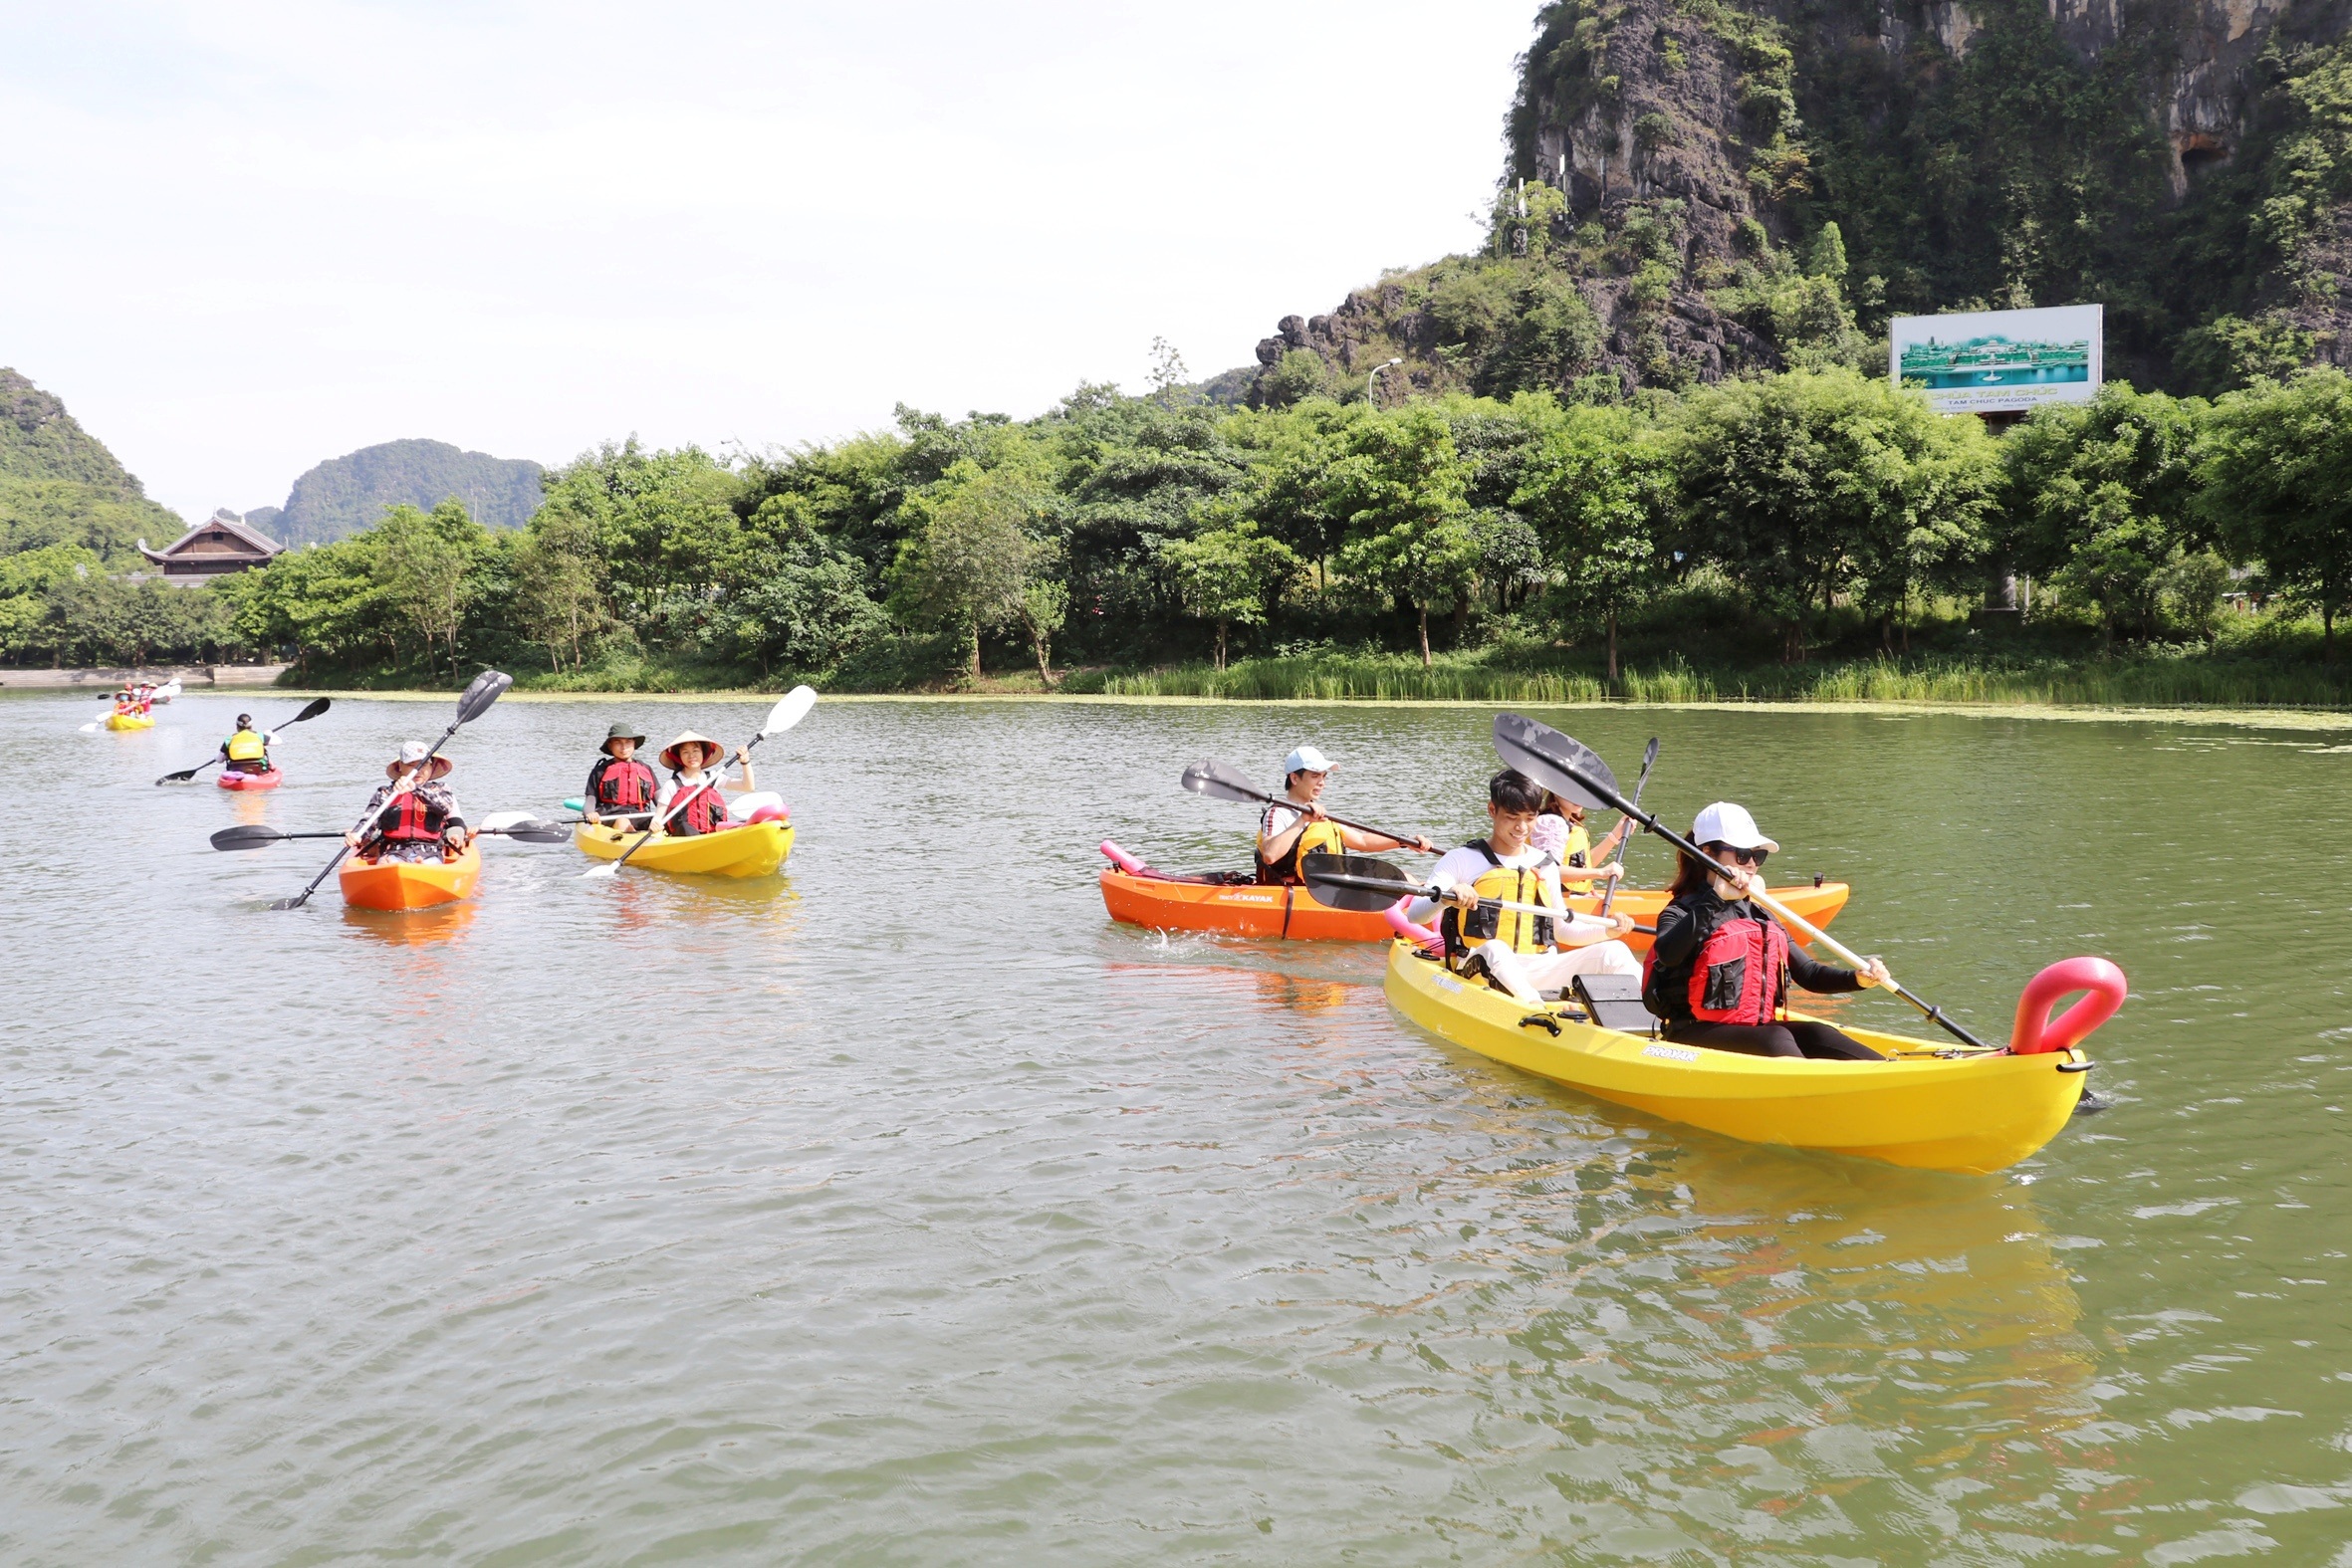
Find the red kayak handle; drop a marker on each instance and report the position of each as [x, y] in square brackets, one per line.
[2037, 1033]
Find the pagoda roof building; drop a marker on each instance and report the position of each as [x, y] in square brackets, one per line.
[212, 549]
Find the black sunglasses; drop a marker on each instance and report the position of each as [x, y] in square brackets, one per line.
[1745, 857]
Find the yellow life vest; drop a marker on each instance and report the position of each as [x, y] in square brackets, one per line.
[1521, 933]
[1322, 837]
[1577, 851]
[247, 747]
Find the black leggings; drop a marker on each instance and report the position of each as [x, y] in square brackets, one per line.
[1818, 1040]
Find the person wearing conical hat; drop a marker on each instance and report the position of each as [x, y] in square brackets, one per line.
[691, 803]
[619, 787]
[415, 816]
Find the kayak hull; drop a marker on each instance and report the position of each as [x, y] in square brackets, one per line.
[268, 781]
[1247, 909]
[1976, 1114]
[753, 849]
[129, 721]
[402, 884]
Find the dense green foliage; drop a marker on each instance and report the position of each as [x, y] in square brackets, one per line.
[344, 495]
[1772, 521]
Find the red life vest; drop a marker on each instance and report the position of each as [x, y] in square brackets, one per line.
[1739, 973]
[704, 812]
[410, 820]
[625, 787]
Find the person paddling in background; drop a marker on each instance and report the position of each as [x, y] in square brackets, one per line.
[705, 807]
[1559, 832]
[1522, 954]
[619, 787]
[247, 751]
[1294, 826]
[415, 816]
[1719, 971]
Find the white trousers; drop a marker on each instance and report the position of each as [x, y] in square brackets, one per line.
[1525, 974]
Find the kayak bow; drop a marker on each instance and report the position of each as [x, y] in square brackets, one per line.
[408, 884]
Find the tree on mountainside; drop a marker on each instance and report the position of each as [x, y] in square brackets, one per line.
[2276, 467]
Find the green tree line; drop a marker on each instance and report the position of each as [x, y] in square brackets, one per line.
[1126, 530]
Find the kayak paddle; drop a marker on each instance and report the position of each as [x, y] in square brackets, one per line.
[1363, 885]
[1220, 783]
[311, 712]
[1649, 760]
[789, 710]
[1568, 768]
[485, 689]
[520, 825]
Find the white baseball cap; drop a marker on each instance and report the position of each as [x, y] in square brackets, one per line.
[1306, 759]
[1726, 823]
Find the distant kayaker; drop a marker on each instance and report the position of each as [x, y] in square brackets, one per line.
[705, 809]
[247, 751]
[1522, 954]
[1719, 971]
[619, 785]
[415, 816]
[1559, 832]
[1294, 828]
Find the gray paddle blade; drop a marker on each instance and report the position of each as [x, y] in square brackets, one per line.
[538, 833]
[1220, 783]
[1566, 766]
[1358, 884]
[485, 689]
[251, 835]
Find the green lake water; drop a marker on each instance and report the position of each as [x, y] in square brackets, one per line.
[902, 1210]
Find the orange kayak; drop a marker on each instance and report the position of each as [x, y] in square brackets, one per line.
[1229, 902]
[404, 884]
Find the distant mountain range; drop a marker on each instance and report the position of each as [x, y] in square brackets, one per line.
[347, 494]
[59, 485]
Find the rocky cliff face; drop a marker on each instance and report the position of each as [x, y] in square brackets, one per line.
[1680, 164]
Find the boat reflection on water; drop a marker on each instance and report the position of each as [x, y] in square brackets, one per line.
[413, 928]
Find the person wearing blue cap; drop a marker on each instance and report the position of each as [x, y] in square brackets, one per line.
[1294, 826]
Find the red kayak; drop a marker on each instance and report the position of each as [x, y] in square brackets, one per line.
[268, 781]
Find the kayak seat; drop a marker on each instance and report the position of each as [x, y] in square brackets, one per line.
[1613, 1002]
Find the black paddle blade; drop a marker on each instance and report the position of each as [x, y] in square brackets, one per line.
[183, 777]
[312, 711]
[1568, 768]
[485, 689]
[1220, 783]
[535, 833]
[1358, 884]
[296, 902]
[250, 836]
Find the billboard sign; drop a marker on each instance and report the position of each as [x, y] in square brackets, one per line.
[2001, 362]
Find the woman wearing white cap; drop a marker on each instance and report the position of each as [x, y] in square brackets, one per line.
[1294, 828]
[1719, 971]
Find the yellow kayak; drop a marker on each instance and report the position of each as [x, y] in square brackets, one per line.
[129, 721]
[755, 849]
[1974, 1113]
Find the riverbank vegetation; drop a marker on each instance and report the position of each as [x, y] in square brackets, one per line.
[1812, 534]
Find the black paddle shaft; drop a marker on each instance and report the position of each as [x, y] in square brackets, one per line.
[1216, 780]
[1649, 760]
[1523, 735]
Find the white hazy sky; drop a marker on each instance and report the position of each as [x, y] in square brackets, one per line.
[240, 236]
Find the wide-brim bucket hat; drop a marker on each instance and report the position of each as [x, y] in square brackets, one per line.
[620, 732]
[669, 753]
[412, 752]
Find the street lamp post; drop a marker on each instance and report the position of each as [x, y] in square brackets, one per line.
[1372, 382]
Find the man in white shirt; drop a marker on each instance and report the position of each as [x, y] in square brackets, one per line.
[1526, 954]
[1294, 828]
